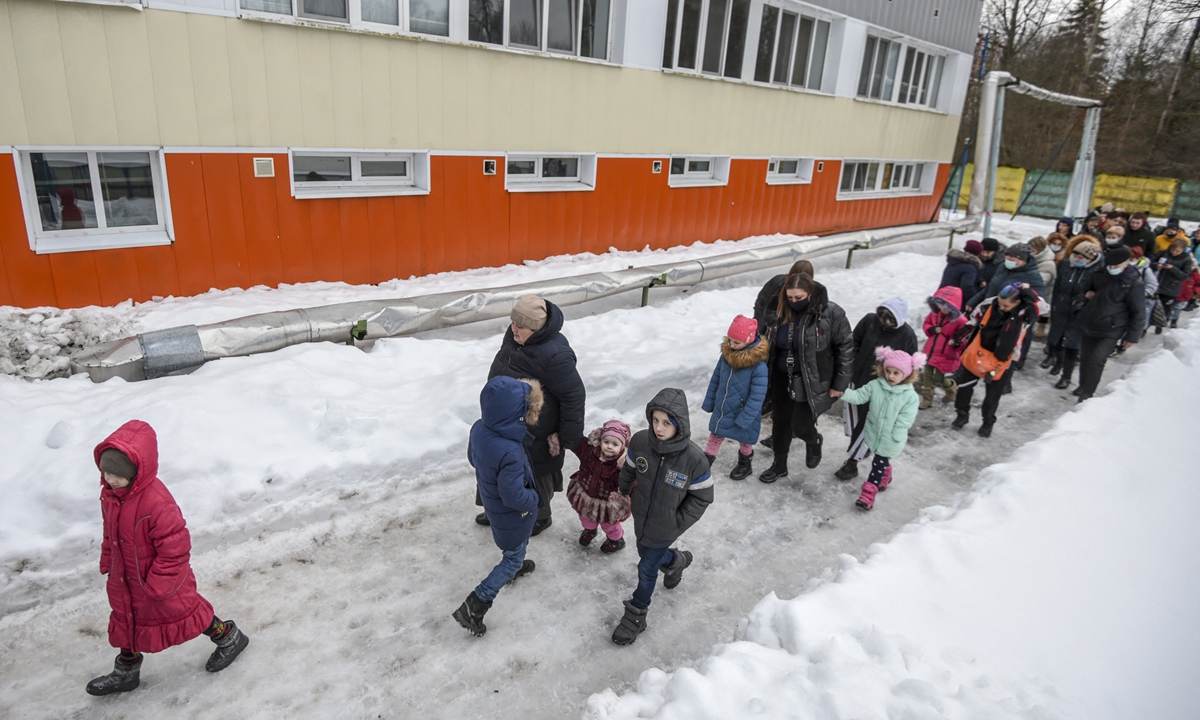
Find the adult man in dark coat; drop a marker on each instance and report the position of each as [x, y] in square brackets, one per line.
[1115, 314]
[1139, 234]
[992, 256]
[534, 347]
[962, 269]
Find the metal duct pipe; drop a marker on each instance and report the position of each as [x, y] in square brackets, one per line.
[181, 349]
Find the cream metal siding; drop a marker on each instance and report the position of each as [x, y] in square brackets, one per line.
[100, 75]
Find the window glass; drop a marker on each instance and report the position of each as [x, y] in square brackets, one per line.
[384, 168]
[766, 43]
[272, 6]
[525, 23]
[908, 169]
[803, 43]
[62, 182]
[564, 167]
[878, 73]
[678, 165]
[872, 175]
[594, 35]
[890, 74]
[864, 74]
[916, 78]
[485, 22]
[431, 17]
[384, 12]
[669, 43]
[127, 186]
[906, 76]
[925, 80]
[783, 56]
[522, 167]
[820, 43]
[847, 177]
[937, 82]
[713, 34]
[788, 167]
[317, 168]
[916, 180]
[735, 46]
[887, 176]
[560, 25]
[325, 9]
[689, 34]
[699, 166]
[860, 176]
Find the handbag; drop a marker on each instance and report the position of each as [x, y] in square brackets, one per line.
[1158, 316]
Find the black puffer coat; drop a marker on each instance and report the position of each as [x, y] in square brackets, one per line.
[1068, 289]
[986, 272]
[870, 334]
[1143, 237]
[670, 480]
[548, 358]
[766, 302]
[962, 271]
[824, 349]
[1118, 308]
[1173, 273]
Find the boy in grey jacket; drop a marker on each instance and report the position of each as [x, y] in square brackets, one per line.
[669, 479]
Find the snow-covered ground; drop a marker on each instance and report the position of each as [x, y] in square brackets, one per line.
[330, 506]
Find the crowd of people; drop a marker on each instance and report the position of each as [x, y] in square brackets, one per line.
[1089, 293]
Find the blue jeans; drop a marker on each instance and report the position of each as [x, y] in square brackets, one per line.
[502, 574]
[1150, 302]
[652, 560]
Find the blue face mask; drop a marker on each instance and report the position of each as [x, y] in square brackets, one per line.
[1079, 263]
[1115, 270]
[1010, 264]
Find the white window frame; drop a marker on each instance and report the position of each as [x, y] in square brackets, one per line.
[544, 33]
[717, 174]
[802, 175]
[802, 13]
[702, 41]
[354, 18]
[417, 182]
[585, 180]
[928, 89]
[921, 177]
[98, 238]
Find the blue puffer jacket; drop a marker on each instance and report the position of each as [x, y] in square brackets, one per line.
[737, 390]
[497, 452]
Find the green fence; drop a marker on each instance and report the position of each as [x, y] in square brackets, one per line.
[1187, 201]
[1049, 198]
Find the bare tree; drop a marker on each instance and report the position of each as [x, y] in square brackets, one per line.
[1018, 22]
[1188, 10]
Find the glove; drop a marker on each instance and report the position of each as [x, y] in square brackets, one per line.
[593, 437]
[555, 447]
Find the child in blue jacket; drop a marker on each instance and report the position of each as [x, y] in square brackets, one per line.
[736, 393]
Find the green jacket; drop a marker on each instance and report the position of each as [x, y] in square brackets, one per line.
[893, 411]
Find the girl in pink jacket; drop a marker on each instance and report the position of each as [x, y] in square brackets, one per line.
[146, 553]
[941, 325]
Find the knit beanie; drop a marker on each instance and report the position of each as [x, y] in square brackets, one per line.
[1116, 255]
[618, 430]
[1089, 250]
[115, 462]
[743, 329]
[1019, 251]
[1106, 208]
[530, 312]
[1173, 223]
[991, 244]
[1116, 230]
[974, 247]
[902, 361]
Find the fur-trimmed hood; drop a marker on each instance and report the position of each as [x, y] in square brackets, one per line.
[748, 356]
[509, 407]
[964, 257]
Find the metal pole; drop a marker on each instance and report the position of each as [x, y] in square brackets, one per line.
[983, 141]
[1076, 203]
[849, 257]
[951, 241]
[994, 168]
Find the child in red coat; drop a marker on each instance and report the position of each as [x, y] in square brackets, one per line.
[941, 324]
[145, 554]
[593, 491]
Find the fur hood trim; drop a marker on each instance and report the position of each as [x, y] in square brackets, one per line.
[966, 257]
[747, 356]
[534, 402]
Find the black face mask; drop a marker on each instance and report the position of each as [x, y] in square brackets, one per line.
[885, 318]
[799, 306]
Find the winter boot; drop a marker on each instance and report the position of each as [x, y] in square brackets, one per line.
[886, 479]
[961, 419]
[527, 567]
[1063, 382]
[848, 470]
[123, 678]
[1191, 305]
[777, 470]
[742, 470]
[611, 546]
[1174, 324]
[540, 525]
[633, 623]
[951, 391]
[768, 442]
[1057, 367]
[587, 536]
[985, 430]
[482, 519]
[866, 499]
[470, 614]
[812, 452]
[230, 644]
[711, 459]
[926, 398]
[674, 572]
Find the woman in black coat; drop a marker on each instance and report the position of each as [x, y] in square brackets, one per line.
[810, 364]
[1174, 265]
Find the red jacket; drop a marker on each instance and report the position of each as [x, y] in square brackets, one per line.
[1189, 288]
[145, 554]
[937, 347]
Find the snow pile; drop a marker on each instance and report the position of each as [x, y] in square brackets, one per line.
[38, 344]
[1058, 589]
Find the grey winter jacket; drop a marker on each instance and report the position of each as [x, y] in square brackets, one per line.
[1028, 273]
[669, 480]
[826, 350]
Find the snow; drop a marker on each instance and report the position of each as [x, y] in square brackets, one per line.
[330, 506]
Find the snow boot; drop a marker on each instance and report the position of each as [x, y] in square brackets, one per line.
[1049, 362]
[768, 442]
[886, 479]
[1057, 367]
[742, 470]
[123, 678]
[926, 398]
[611, 546]
[985, 430]
[961, 419]
[541, 525]
[951, 392]
[470, 614]
[527, 567]
[848, 470]
[633, 623]
[711, 459]
[1063, 383]
[1174, 324]
[866, 499]
[777, 470]
[812, 452]
[229, 644]
[673, 573]
[587, 536]
[482, 519]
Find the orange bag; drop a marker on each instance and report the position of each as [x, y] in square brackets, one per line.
[980, 362]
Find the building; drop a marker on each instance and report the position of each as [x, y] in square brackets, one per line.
[166, 147]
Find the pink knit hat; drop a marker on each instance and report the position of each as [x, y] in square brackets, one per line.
[902, 361]
[617, 429]
[743, 329]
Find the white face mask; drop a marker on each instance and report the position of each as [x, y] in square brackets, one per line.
[1056, 248]
[1117, 270]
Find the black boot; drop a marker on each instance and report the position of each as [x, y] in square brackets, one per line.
[961, 419]
[711, 459]
[482, 519]
[985, 430]
[1058, 366]
[470, 614]
[812, 452]
[848, 470]
[674, 572]
[229, 644]
[541, 525]
[123, 678]
[742, 470]
[587, 536]
[611, 546]
[768, 442]
[527, 567]
[632, 624]
[777, 470]
[1050, 360]
[1063, 382]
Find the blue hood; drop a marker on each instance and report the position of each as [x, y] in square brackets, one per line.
[502, 404]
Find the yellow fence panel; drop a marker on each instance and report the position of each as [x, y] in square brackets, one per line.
[1136, 194]
[968, 173]
[1009, 181]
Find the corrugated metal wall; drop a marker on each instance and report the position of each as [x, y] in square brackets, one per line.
[1049, 199]
[955, 26]
[1153, 195]
[1187, 201]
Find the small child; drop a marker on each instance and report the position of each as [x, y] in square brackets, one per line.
[893, 411]
[669, 479]
[593, 492]
[941, 325]
[736, 393]
[145, 554]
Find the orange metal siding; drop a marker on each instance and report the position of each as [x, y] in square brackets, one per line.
[235, 230]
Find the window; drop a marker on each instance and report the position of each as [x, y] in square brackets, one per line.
[791, 49]
[707, 36]
[920, 73]
[80, 199]
[789, 170]
[549, 173]
[428, 17]
[883, 177]
[339, 173]
[567, 27]
[698, 170]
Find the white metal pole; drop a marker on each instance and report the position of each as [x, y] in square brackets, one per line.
[994, 168]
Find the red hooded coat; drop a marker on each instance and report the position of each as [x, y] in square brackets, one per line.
[937, 347]
[146, 553]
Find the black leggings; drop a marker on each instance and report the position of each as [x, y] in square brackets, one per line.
[878, 467]
[789, 418]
